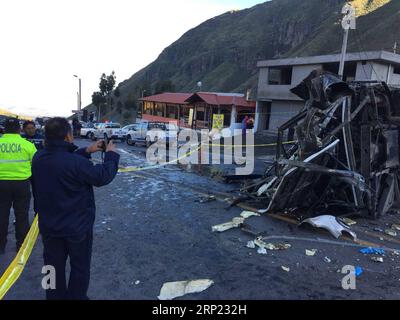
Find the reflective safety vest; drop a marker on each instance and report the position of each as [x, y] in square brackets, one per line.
[16, 156]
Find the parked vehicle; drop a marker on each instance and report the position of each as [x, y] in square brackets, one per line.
[128, 128]
[151, 132]
[88, 130]
[108, 131]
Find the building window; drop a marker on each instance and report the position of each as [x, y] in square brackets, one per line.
[159, 109]
[396, 70]
[280, 75]
[148, 106]
[172, 111]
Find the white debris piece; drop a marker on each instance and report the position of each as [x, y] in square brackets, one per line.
[311, 253]
[262, 251]
[251, 245]
[248, 214]
[327, 260]
[286, 269]
[235, 223]
[172, 290]
[331, 224]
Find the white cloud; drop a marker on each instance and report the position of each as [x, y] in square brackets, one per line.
[45, 42]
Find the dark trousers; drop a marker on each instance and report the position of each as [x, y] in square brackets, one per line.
[15, 194]
[79, 250]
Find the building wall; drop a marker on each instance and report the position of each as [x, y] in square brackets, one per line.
[282, 92]
[282, 111]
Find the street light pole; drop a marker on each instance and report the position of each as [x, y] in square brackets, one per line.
[79, 97]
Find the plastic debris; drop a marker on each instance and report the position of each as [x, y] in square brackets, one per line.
[172, 290]
[359, 271]
[286, 269]
[248, 214]
[251, 245]
[377, 259]
[331, 224]
[348, 222]
[262, 251]
[372, 251]
[391, 233]
[311, 253]
[206, 199]
[396, 227]
[270, 246]
[327, 260]
[137, 282]
[235, 223]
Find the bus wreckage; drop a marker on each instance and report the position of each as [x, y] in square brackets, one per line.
[346, 158]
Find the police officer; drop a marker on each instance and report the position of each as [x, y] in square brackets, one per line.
[63, 180]
[15, 171]
[30, 134]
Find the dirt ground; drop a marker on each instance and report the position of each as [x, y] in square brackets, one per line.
[151, 227]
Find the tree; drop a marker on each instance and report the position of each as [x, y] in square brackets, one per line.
[98, 100]
[164, 86]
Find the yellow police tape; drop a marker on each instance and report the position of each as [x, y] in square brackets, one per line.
[16, 267]
[137, 169]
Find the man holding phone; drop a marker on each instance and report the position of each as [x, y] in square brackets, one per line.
[63, 179]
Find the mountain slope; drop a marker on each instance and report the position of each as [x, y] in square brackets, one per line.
[223, 51]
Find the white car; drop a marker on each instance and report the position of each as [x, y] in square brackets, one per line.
[151, 132]
[88, 131]
[128, 128]
[109, 131]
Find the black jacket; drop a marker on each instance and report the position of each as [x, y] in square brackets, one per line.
[62, 183]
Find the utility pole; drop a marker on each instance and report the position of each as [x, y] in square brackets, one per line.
[395, 47]
[348, 22]
[79, 97]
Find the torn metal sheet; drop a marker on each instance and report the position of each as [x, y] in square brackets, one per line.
[331, 224]
[172, 290]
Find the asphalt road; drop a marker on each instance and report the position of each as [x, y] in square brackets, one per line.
[151, 229]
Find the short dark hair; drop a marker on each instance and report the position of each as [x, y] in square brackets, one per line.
[12, 125]
[27, 123]
[57, 129]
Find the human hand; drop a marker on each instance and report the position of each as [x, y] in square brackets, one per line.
[95, 147]
[111, 147]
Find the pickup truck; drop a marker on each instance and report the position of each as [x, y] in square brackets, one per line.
[151, 132]
[110, 131]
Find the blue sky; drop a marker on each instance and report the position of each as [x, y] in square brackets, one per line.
[49, 41]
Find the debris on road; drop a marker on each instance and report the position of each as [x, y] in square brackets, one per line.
[172, 290]
[206, 199]
[311, 253]
[331, 224]
[396, 227]
[248, 214]
[327, 260]
[286, 269]
[270, 246]
[348, 222]
[262, 251]
[235, 223]
[377, 259]
[391, 233]
[251, 245]
[359, 271]
[373, 251]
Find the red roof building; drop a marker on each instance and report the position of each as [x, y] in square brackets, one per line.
[197, 110]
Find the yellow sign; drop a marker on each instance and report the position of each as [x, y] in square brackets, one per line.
[218, 121]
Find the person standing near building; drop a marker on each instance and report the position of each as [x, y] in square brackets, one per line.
[63, 179]
[16, 156]
[30, 134]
